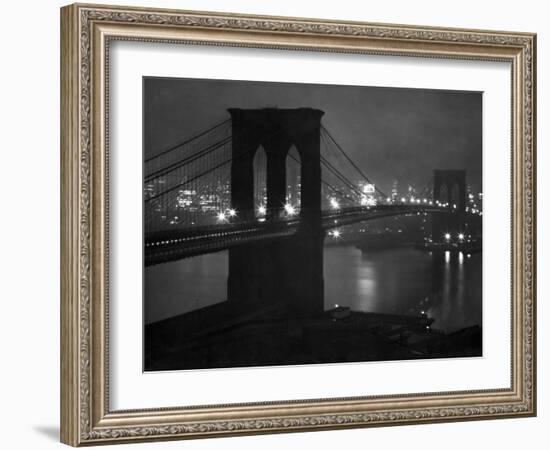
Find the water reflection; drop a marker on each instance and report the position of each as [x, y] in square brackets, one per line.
[446, 287]
[185, 285]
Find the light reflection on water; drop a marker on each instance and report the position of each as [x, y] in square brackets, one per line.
[182, 286]
[398, 281]
[406, 281]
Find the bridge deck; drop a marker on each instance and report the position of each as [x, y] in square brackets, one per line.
[172, 245]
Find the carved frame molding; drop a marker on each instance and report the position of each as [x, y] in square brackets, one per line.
[86, 32]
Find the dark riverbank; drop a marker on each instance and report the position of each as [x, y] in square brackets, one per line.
[334, 336]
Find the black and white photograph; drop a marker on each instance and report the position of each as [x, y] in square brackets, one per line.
[289, 223]
[243, 225]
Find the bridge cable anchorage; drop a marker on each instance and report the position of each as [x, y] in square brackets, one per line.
[187, 141]
[339, 147]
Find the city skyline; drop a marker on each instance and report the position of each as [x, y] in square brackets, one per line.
[215, 199]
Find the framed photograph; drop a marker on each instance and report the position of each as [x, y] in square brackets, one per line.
[274, 224]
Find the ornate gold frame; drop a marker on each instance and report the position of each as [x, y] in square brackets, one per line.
[86, 31]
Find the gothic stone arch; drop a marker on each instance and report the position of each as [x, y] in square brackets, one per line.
[449, 182]
[287, 271]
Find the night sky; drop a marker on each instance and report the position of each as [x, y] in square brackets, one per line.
[391, 133]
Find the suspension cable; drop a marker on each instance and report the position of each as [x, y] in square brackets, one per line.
[206, 172]
[339, 147]
[187, 141]
[189, 159]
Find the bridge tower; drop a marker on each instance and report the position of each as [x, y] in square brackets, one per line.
[449, 187]
[286, 270]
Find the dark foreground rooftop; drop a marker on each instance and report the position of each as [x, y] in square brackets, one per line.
[202, 339]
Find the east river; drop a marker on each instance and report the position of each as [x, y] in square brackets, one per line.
[446, 287]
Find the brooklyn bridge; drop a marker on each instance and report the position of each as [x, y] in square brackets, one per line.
[271, 184]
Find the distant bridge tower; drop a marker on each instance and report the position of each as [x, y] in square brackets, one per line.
[449, 187]
[287, 269]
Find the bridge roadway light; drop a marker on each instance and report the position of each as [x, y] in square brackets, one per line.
[447, 236]
[221, 216]
[262, 210]
[334, 203]
[336, 234]
[232, 212]
[290, 210]
[461, 236]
